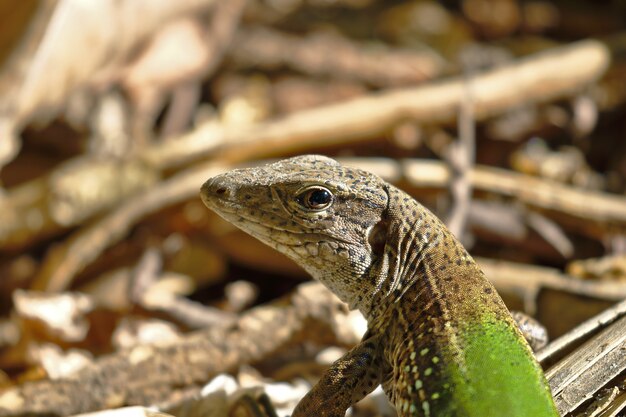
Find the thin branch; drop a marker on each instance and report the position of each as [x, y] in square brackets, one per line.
[527, 280]
[262, 47]
[590, 212]
[88, 243]
[542, 77]
[460, 158]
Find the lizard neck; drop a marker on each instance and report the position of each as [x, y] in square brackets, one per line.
[423, 262]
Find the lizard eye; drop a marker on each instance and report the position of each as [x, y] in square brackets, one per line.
[315, 198]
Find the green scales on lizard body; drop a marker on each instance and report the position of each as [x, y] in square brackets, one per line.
[439, 340]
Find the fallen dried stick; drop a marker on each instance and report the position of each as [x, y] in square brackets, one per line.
[583, 373]
[597, 210]
[147, 374]
[70, 194]
[222, 28]
[502, 223]
[542, 77]
[192, 314]
[271, 13]
[528, 280]
[551, 233]
[87, 244]
[460, 157]
[262, 47]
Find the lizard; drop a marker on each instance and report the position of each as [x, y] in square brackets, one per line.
[440, 339]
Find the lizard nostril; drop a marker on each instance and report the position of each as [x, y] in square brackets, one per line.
[220, 191]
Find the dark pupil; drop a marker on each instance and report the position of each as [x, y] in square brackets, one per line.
[319, 198]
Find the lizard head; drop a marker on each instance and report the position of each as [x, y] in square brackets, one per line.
[312, 209]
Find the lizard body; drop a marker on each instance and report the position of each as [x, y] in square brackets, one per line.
[439, 339]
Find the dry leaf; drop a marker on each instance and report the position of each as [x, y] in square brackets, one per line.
[62, 314]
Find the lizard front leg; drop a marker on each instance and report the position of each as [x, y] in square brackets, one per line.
[347, 381]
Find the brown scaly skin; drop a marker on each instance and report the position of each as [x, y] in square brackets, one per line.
[439, 338]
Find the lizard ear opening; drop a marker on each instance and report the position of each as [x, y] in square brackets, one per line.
[377, 237]
[378, 233]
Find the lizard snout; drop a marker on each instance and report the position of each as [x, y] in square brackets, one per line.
[216, 189]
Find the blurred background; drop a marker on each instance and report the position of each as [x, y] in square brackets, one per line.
[507, 118]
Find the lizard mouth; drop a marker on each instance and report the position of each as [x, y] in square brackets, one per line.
[221, 198]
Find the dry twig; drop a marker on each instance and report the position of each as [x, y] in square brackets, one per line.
[87, 244]
[528, 280]
[542, 77]
[590, 212]
[223, 25]
[460, 157]
[264, 48]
